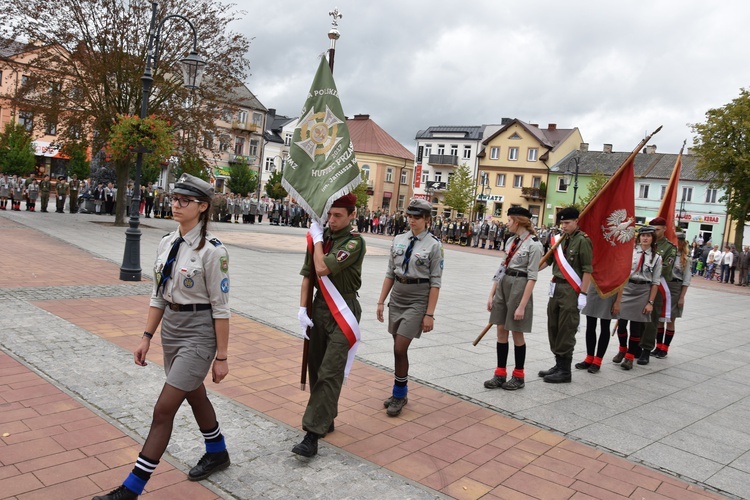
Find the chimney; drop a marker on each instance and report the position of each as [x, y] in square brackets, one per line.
[534, 125]
[552, 126]
[361, 117]
[651, 149]
[506, 121]
[584, 147]
[607, 148]
[271, 111]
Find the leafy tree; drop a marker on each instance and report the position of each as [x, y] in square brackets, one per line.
[16, 151]
[99, 48]
[274, 189]
[193, 164]
[597, 182]
[242, 180]
[722, 144]
[78, 164]
[460, 192]
[362, 196]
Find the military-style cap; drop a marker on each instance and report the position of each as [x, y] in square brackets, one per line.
[659, 221]
[418, 206]
[681, 236]
[347, 201]
[646, 230]
[523, 212]
[569, 213]
[193, 186]
[60, 177]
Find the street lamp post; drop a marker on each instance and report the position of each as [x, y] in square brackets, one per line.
[192, 68]
[568, 174]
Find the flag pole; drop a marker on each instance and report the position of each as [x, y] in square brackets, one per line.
[666, 209]
[593, 200]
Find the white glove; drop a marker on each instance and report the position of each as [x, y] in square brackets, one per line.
[316, 232]
[304, 321]
[581, 301]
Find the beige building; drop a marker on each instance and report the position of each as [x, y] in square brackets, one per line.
[514, 166]
[385, 164]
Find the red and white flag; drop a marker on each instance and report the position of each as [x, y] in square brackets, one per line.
[667, 208]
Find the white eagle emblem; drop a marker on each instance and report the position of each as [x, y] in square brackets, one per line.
[620, 228]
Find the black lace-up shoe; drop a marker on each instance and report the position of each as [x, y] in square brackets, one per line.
[119, 493]
[208, 464]
[308, 448]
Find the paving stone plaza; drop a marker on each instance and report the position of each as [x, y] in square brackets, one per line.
[672, 429]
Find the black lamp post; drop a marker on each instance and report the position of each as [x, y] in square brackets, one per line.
[568, 174]
[192, 67]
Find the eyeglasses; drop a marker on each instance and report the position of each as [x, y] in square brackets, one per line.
[183, 202]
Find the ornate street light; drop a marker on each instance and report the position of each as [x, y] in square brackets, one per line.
[192, 67]
[568, 175]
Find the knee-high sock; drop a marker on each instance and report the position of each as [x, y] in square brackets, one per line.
[502, 359]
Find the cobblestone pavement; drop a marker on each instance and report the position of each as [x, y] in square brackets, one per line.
[676, 415]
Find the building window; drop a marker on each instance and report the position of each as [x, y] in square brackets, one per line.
[562, 187]
[1, 78]
[26, 120]
[55, 88]
[269, 166]
[536, 182]
[50, 128]
[513, 154]
[711, 195]
[258, 119]
[242, 116]
[438, 176]
[484, 179]
[287, 139]
[687, 194]
[224, 142]
[226, 115]
[427, 150]
[454, 149]
[365, 171]
[494, 153]
[401, 198]
[254, 147]
[517, 181]
[643, 191]
[25, 80]
[500, 180]
[532, 154]
[467, 152]
[441, 149]
[425, 176]
[208, 140]
[403, 177]
[498, 210]
[663, 191]
[239, 146]
[389, 175]
[450, 178]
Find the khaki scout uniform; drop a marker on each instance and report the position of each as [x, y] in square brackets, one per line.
[329, 347]
[668, 252]
[61, 189]
[562, 310]
[523, 266]
[680, 278]
[75, 186]
[411, 290]
[44, 188]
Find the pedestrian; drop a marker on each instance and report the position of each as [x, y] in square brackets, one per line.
[477, 226]
[109, 199]
[492, 234]
[32, 191]
[678, 286]
[510, 303]
[413, 279]
[16, 192]
[744, 266]
[635, 303]
[4, 191]
[98, 198]
[74, 187]
[338, 254]
[61, 191]
[727, 261]
[191, 301]
[571, 272]
[484, 232]
[598, 309]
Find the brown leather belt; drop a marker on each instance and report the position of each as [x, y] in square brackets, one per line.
[412, 281]
[188, 307]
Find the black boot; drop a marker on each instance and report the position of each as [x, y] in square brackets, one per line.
[208, 464]
[562, 375]
[553, 370]
[308, 447]
[119, 493]
[643, 359]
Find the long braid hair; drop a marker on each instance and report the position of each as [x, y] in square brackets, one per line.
[682, 249]
[524, 222]
[203, 219]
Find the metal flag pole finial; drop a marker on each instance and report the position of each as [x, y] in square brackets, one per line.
[333, 34]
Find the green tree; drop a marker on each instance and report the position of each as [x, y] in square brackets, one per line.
[362, 196]
[596, 183]
[274, 189]
[16, 151]
[78, 164]
[460, 191]
[242, 180]
[722, 144]
[193, 164]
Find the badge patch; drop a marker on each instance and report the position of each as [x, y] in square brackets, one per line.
[441, 264]
[188, 282]
[225, 285]
[351, 245]
[342, 255]
[224, 262]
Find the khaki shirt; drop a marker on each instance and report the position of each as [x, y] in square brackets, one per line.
[198, 276]
[579, 254]
[344, 259]
[426, 258]
[668, 252]
[527, 256]
[680, 274]
[650, 271]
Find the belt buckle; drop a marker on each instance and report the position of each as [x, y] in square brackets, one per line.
[174, 307]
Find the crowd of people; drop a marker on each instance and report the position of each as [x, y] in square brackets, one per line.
[725, 265]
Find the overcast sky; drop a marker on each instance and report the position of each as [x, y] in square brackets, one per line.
[615, 70]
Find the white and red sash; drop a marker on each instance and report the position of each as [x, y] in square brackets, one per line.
[565, 268]
[344, 317]
[665, 314]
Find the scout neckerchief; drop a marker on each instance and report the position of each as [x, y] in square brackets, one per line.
[340, 311]
[407, 255]
[514, 248]
[565, 268]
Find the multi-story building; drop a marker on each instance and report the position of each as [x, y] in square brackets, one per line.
[699, 209]
[514, 165]
[278, 137]
[385, 164]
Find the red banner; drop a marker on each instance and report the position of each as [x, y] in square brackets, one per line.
[610, 224]
[669, 201]
[418, 176]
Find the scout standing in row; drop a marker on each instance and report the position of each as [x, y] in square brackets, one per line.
[678, 285]
[191, 301]
[597, 308]
[511, 304]
[571, 273]
[413, 279]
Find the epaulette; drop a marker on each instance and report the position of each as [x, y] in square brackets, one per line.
[584, 234]
[168, 234]
[355, 234]
[215, 242]
[534, 238]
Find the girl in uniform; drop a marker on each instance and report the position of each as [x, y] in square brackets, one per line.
[597, 308]
[191, 301]
[636, 301]
[33, 192]
[4, 191]
[413, 279]
[678, 285]
[510, 302]
[16, 192]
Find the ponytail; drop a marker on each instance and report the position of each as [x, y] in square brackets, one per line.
[203, 220]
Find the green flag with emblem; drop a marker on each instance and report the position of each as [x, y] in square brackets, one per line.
[321, 167]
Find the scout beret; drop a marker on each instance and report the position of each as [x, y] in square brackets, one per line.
[519, 211]
[418, 206]
[569, 213]
[346, 201]
[659, 221]
[193, 186]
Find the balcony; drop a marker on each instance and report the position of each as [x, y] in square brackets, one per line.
[533, 193]
[443, 160]
[435, 186]
[235, 158]
[248, 127]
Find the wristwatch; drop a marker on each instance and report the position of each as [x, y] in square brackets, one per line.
[651, 302]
